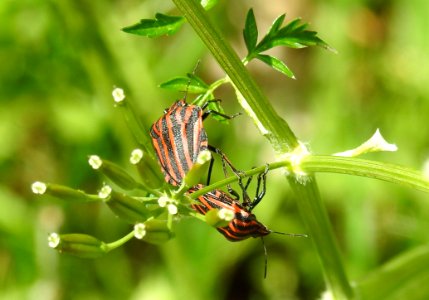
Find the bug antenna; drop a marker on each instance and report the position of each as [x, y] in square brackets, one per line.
[291, 234]
[266, 257]
[189, 81]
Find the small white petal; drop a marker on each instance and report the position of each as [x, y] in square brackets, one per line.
[136, 156]
[105, 192]
[226, 214]
[38, 187]
[162, 201]
[54, 240]
[203, 157]
[95, 162]
[172, 209]
[118, 95]
[139, 231]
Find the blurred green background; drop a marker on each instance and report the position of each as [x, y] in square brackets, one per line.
[59, 63]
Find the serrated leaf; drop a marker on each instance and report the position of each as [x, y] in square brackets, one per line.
[300, 40]
[276, 25]
[293, 35]
[193, 84]
[208, 4]
[250, 32]
[276, 64]
[161, 25]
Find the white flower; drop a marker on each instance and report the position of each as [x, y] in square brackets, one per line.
[163, 200]
[118, 95]
[172, 209]
[226, 214]
[95, 162]
[136, 156]
[105, 192]
[38, 187]
[139, 231]
[54, 240]
[203, 157]
[170, 204]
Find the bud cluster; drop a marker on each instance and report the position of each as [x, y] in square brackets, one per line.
[134, 201]
[140, 202]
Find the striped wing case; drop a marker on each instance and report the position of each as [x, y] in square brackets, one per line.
[178, 137]
[243, 226]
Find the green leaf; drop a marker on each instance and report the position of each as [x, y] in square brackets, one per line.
[276, 64]
[161, 25]
[276, 25]
[192, 84]
[250, 32]
[293, 35]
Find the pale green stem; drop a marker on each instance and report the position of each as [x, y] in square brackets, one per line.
[113, 245]
[281, 137]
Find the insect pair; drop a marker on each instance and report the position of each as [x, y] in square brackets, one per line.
[178, 137]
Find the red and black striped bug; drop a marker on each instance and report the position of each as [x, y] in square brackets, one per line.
[179, 136]
[244, 224]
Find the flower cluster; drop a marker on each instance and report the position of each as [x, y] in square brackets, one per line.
[147, 203]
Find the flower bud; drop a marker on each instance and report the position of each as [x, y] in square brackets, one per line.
[114, 172]
[153, 231]
[81, 245]
[199, 169]
[376, 143]
[128, 208]
[118, 95]
[148, 169]
[61, 192]
[219, 217]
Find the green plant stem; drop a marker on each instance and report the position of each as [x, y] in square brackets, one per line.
[281, 137]
[337, 164]
[366, 168]
[120, 242]
[278, 131]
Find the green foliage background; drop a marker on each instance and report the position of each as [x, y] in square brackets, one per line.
[59, 63]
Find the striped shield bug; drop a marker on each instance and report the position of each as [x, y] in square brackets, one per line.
[179, 136]
[244, 224]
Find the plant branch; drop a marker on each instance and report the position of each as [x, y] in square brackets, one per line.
[281, 137]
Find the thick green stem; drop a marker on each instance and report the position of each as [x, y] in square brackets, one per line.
[277, 130]
[281, 138]
[337, 164]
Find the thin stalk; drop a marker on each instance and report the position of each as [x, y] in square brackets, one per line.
[120, 242]
[281, 137]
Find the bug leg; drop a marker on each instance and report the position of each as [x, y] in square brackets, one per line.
[209, 173]
[238, 173]
[260, 193]
[214, 112]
